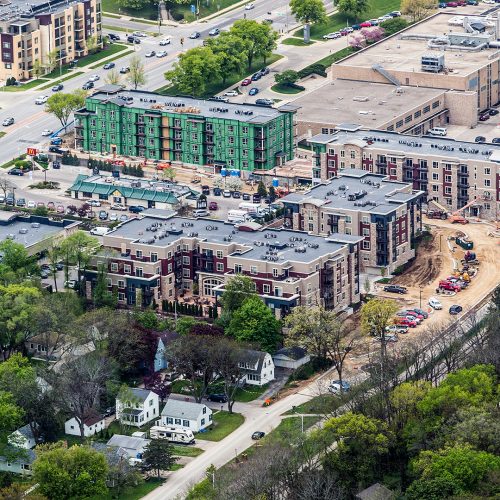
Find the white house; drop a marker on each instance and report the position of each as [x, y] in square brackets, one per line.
[93, 424]
[131, 446]
[22, 438]
[291, 357]
[258, 367]
[194, 416]
[142, 407]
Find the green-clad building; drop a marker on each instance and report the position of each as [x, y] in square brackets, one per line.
[185, 130]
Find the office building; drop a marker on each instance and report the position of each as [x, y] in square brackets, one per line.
[185, 130]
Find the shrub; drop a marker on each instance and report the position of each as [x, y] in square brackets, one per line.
[317, 68]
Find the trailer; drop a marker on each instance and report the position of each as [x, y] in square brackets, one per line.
[172, 434]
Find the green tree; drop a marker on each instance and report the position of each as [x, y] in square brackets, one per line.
[195, 68]
[431, 489]
[259, 38]
[16, 264]
[137, 75]
[101, 295]
[159, 455]
[10, 415]
[308, 12]
[67, 473]
[61, 105]
[394, 25]
[184, 325]
[52, 59]
[405, 399]
[169, 174]
[288, 77]
[230, 52]
[113, 77]
[352, 7]
[38, 69]
[254, 322]
[92, 43]
[261, 189]
[237, 289]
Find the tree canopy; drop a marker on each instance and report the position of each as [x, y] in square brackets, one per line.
[61, 105]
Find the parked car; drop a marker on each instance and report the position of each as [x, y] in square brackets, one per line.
[164, 42]
[332, 36]
[109, 65]
[51, 206]
[57, 150]
[255, 77]
[395, 289]
[447, 285]
[253, 91]
[110, 410]
[455, 309]
[113, 37]
[88, 86]
[136, 209]
[435, 304]
[162, 53]
[60, 209]
[258, 435]
[236, 194]
[123, 218]
[56, 141]
[246, 82]
[249, 6]
[493, 112]
[246, 197]
[113, 217]
[217, 398]
[495, 140]
[46, 132]
[140, 34]
[231, 93]
[217, 191]
[414, 314]
[118, 206]
[264, 102]
[94, 203]
[396, 329]
[480, 139]
[58, 87]
[31, 204]
[195, 35]
[484, 117]
[70, 284]
[103, 215]
[124, 69]
[94, 78]
[133, 39]
[214, 32]
[226, 193]
[151, 53]
[15, 171]
[405, 322]
[41, 100]
[8, 121]
[423, 313]
[336, 387]
[21, 202]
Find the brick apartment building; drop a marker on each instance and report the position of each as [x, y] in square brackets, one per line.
[29, 32]
[452, 173]
[185, 130]
[158, 258]
[386, 214]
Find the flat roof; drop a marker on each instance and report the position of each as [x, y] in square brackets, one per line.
[14, 10]
[376, 193]
[27, 233]
[403, 54]
[343, 101]
[428, 145]
[158, 232]
[211, 109]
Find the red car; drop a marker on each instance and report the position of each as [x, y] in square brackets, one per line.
[446, 285]
[405, 322]
[344, 32]
[366, 24]
[485, 117]
[415, 315]
[246, 82]
[452, 4]
[213, 205]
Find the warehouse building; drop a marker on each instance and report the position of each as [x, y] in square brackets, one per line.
[185, 130]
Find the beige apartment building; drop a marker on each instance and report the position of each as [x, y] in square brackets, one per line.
[385, 213]
[451, 172]
[154, 259]
[30, 32]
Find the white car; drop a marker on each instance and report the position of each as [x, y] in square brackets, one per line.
[113, 217]
[231, 93]
[42, 99]
[46, 132]
[165, 41]
[140, 34]
[94, 78]
[118, 206]
[435, 304]
[94, 203]
[31, 204]
[332, 36]
[162, 53]
[249, 6]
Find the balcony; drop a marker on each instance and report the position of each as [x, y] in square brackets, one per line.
[79, 27]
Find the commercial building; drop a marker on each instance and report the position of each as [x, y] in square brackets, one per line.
[184, 130]
[31, 32]
[452, 173]
[127, 191]
[159, 258]
[35, 233]
[386, 214]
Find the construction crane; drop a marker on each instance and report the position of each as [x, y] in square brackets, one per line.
[457, 218]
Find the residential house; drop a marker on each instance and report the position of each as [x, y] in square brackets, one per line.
[376, 491]
[258, 367]
[131, 446]
[92, 424]
[194, 416]
[23, 438]
[291, 357]
[18, 455]
[142, 407]
[160, 360]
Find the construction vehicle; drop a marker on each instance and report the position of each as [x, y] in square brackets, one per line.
[457, 217]
[440, 213]
[470, 258]
[446, 285]
[464, 242]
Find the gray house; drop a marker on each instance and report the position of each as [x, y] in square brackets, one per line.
[291, 357]
[17, 460]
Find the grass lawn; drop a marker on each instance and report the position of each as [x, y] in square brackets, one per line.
[25, 86]
[132, 492]
[9, 164]
[116, 428]
[144, 21]
[299, 42]
[72, 75]
[376, 8]
[285, 89]
[186, 451]
[336, 56]
[243, 395]
[108, 51]
[292, 426]
[217, 86]
[223, 424]
[3, 133]
[117, 56]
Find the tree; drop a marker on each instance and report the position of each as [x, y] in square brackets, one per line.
[121, 474]
[53, 257]
[352, 7]
[16, 264]
[17, 491]
[113, 77]
[10, 415]
[394, 25]
[259, 38]
[158, 385]
[254, 322]
[67, 473]
[237, 289]
[230, 52]
[185, 324]
[136, 76]
[287, 78]
[101, 295]
[417, 9]
[80, 384]
[261, 189]
[159, 455]
[38, 69]
[194, 69]
[52, 59]
[168, 174]
[405, 399]
[308, 12]
[62, 105]
[92, 43]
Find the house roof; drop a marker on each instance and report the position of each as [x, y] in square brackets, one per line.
[182, 409]
[12, 454]
[93, 418]
[167, 337]
[128, 442]
[376, 491]
[132, 411]
[26, 431]
[294, 352]
[254, 357]
[138, 393]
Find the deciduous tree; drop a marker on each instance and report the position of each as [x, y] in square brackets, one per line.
[288, 77]
[230, 52]
[62, 105]
[137, 75]
[352, 7]
[308, 12]
[159, 455]
[113, 77]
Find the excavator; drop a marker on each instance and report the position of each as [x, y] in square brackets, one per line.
[457, 218]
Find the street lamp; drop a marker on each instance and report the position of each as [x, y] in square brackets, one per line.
[420, 296]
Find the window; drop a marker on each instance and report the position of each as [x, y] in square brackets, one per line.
[399, 123]
[138, 254]
[237, 269]
[366, 231]
[178, 421]
[186, 273]
[253, 270]
[186, 260]
[219, 254]
[348, 219]
[435, 177]
[127, 269]
[220, 267]
[245, 130]
[342, 153]
[353, 154]
[138, 272]
[366, 245]
[427, 109]
[408, 119]
[266, 288]
[114, 267]
[185, 423]
[487, 183]
[435, 104]
[435, 164]
[204, 410]
[417, 114]
[121, 297]
[202, 421]
[487, 171]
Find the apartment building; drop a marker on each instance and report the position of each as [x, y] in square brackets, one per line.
[157, 258]
[30, 32]
[451, 172]
[185, 130]
[386, 214]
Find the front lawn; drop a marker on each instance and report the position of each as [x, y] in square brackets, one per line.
[216, 86]
[132, 492]
[186, 451]
[298, 42]
[243, 394]
[223, 424]
[116, 428]
[24, 86]
[336, 22]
